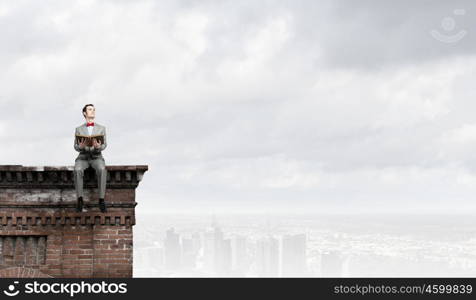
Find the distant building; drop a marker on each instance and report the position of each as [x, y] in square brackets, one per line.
[267, 257]
[188, 254]
[196, 242]
[293, 255]
[224, 265]
[216, 252]
[239, 255]
[172, 250]
[332, 264]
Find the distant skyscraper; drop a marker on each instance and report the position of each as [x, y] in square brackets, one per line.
[331, 264]
[239, 260]
[172, 250]
[293, 255]
[196, 242]
[212, 240]
[216, 252]
[188, 254]
[224, 259]
[267, 257]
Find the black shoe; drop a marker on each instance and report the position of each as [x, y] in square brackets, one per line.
[79, 205]
[102, 205]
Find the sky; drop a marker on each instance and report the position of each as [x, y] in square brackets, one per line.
[252, 106]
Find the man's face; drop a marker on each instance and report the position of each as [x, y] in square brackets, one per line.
[90, 112]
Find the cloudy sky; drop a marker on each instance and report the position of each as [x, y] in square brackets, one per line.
[305, 106]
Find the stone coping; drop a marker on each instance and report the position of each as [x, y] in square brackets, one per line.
[70, 168]
[50, 177]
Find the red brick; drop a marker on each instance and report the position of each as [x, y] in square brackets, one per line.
[89, 244]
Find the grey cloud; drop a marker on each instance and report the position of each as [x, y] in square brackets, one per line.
[249, 104]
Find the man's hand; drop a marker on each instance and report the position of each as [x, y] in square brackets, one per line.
[82, 144]
[96, 144]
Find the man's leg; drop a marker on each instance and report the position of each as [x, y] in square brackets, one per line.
[101, 173]
[79, 166]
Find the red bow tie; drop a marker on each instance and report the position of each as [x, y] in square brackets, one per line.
[90, 124]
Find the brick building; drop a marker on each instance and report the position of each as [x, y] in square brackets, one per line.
[41, 234]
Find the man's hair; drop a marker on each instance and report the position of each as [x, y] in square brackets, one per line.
[85, 107]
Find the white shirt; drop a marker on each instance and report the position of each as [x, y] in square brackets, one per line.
[90, 129]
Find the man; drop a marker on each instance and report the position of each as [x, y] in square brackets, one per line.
[90, 156]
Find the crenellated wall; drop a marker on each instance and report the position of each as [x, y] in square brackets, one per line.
[41, 234]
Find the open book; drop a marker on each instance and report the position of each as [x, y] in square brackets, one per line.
[89, 139]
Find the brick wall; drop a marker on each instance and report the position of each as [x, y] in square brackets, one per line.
[41, 234]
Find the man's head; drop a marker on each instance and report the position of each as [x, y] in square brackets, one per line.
[89, 112]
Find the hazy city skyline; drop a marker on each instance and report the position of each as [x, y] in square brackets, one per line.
[306, 246]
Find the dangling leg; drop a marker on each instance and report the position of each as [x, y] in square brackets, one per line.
[79, 166]
[101, 173]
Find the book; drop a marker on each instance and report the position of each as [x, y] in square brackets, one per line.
[89, 139]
